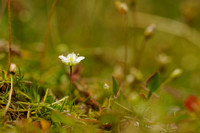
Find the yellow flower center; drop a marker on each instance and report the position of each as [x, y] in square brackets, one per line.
[71, 59]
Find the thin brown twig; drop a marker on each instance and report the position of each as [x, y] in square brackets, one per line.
[9, 26]
[46, 38]
[91, 101]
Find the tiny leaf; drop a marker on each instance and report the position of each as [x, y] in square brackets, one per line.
[153, 83]
[58, 117]
[3, 75]
[115, 86]
[67, 120]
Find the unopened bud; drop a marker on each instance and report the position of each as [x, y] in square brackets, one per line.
[163, 59]
[130, 78]
[136, 73]
[137, 124]
[13, 68]
[176, 73]
[106, 86]
[121, 7]
[149, 31]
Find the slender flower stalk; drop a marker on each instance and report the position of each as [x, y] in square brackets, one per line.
[140, 53]
[9, 27]
[147, 35]
[125, 44]
[122, 8]
[43, 52]
[12, 70]
[71, 60]
[10, 95]
[175, 74]
[70, 96]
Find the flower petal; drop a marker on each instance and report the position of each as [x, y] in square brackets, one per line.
[80, 58]
[62, 57]
[74, 56]
[71, 59]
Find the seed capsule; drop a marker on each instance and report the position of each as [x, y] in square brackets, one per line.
[13, 68]
[176, 73]
[149, 31]
[121, 7]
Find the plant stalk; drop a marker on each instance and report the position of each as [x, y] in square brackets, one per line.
[125, 45]
[70, 89]
[9, 28]
[10, 95]
[140, 53]
[46, 38]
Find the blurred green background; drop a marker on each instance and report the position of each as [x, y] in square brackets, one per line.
[96, 30]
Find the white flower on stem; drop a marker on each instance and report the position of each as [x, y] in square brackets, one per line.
[71, 59]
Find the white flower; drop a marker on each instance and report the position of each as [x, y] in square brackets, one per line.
[71, 59]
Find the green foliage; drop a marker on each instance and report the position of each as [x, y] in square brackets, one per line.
[153, 83]
[58, 117]
[74, 124]
[115, 86]
[3, 74]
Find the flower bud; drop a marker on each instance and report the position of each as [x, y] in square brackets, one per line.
[121, 7]
[163, 59]
[149, 31]
[106, 86]
[130, 78]
[13, 68]
[176, 73]
[136, 73]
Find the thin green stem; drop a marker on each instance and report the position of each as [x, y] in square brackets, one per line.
[127, 109]
[125, 44]
[135, 21]
[165, 82]
[59, 101]
[45, 96]
[43, 52]
[44, 104]
[10, 95]
[28, 113]
[140, 53]
[70, 89]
